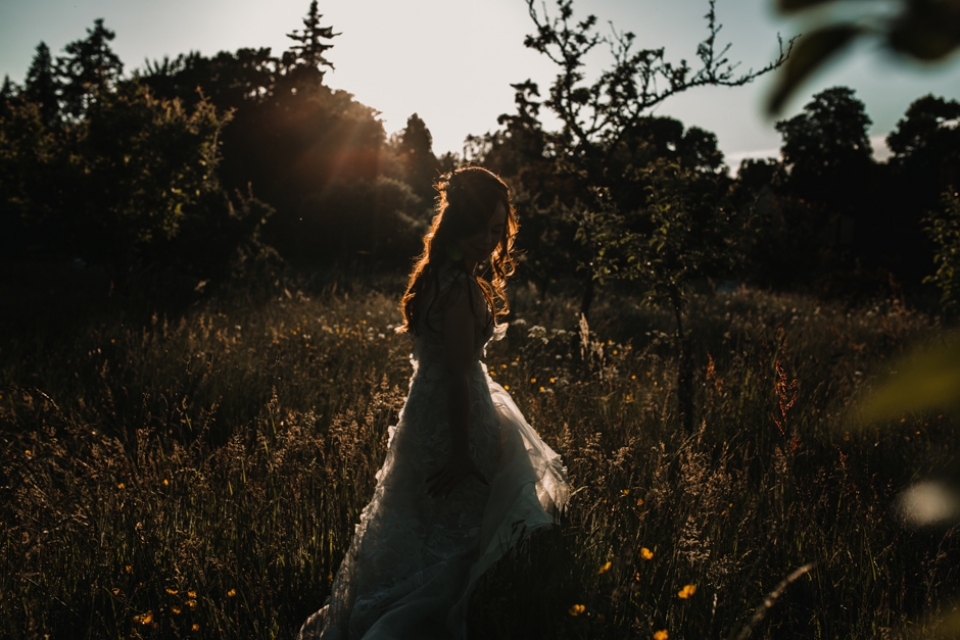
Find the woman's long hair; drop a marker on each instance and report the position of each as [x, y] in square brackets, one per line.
[467, 198]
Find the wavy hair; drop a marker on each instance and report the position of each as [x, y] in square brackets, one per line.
[466, 201]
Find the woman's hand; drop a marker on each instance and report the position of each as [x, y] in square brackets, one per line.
[459, 467]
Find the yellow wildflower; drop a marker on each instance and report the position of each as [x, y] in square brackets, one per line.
[115, 591]
[661, 635]
[687, 591]
[192, 594]
[195, 627]
[191, 603]
[121, 486]
[577, 609]
[506, 387]
[231, 593]
[646, 554]
[172, 592]
[128, 568]
[166, 482]
[639, 502]
[604, 568]
[533, 380]
[175, 610]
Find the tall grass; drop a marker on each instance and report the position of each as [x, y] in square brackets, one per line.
[200, 475]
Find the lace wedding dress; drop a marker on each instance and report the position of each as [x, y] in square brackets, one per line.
[414, 558]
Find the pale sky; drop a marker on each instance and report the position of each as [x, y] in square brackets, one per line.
[451, 61]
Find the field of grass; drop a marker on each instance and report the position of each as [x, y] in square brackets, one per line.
[199, 473]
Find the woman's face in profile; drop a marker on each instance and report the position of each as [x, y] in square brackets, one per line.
[477, 247]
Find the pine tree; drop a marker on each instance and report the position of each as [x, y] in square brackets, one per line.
[9, 91]
[89, 68]
[309, 53]
[42, 86]
[420, 164]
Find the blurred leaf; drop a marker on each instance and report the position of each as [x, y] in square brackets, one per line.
[927, 378]
[791, 6]
[946, 627]
[927, 503]
[929, 31]
[811, 52]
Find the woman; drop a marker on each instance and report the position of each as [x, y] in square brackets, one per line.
[465, 476]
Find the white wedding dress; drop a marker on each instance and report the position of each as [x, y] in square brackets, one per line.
[415, 559]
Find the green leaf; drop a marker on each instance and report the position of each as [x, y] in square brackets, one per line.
[927, 378]
[811, 52]
[928, 31]
[792, 6]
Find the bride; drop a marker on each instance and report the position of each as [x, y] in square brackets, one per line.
[465, 476]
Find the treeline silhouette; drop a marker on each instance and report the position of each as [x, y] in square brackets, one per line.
[208, 165]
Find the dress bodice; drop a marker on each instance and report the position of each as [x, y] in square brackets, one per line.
[429, 356]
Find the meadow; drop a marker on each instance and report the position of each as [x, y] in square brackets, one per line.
[198, 473]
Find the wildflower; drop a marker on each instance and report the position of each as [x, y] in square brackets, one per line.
[121, 486]
[506, 387]
[552, 380]
[115, 591]
[626, 492]
[661, 635]
[542, 389]
[166, 482]
[145, 618]
[533, 380]
[231, 593]
[172, 592]
[128, 568]
[604, 568]
[192, 594]
[639, 502]
[195, 627]
[503, 366]
[633, 377]
[646, 554]
[577, 609]
[191, 603]
[329, 577]
[28, 453]
[687, 591]
[175, 610]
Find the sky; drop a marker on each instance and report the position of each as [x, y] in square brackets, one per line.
[452, 61]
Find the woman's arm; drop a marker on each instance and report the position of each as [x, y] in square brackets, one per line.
[458, 340]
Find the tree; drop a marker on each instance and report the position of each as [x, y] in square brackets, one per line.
[604, 150]
[925, 165]
[9, 94]
[30, 158]
[141, 164]
[42, 88]
[943, 228]
[416, 153]
[306, 59]
[926, 148]
[826, 148]
[89, 70]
